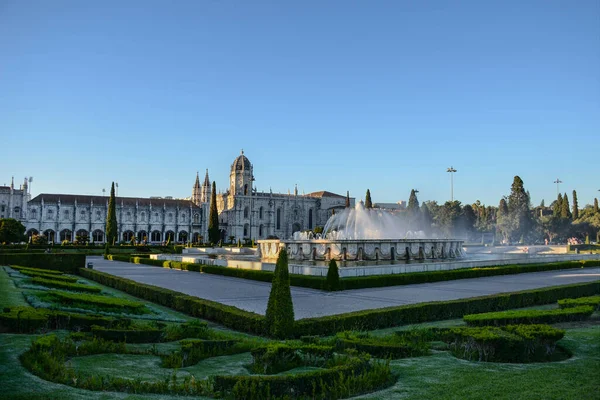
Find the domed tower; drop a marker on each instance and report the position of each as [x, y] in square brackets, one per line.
[241, 177]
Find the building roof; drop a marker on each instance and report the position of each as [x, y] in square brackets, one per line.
[241, 162]
[83, 199]
[325, 193]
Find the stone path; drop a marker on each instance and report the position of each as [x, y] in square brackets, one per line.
[252, 295]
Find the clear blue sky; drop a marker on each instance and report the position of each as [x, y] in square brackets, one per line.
[331, 95]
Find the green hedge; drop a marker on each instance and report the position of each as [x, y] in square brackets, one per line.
[100, 301]
[278, 357]
[593, 301]
[68, 263]
[229, 316]
[30, 320]
[437, 276]
[77, 287]
[434, 311]
[147, 335]
[529, 316]
[36, 270]
[60, 278]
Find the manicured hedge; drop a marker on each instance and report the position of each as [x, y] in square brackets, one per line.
[593, 301]
[30, 320]
[77, 287]
[148, 335]
[61, 278]
[68, 263]
[529, 316]
[434, 311]
[437, 276]
[36, 270]
[229, 316]
[101, 301]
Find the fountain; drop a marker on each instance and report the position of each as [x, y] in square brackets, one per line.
[359, 234]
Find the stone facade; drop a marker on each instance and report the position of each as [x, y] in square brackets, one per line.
[244, 213]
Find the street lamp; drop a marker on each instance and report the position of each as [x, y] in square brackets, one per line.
[558, 182]
[451, 170]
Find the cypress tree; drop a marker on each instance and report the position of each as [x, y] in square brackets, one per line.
[213, 217]
[347, 199]
[565, 211]
[575, 206]
[595, 205]
[556, 210]
[368, 203]
[413, 203]
[111, 218]
[279, 318]
[333, 276]
[518, 210]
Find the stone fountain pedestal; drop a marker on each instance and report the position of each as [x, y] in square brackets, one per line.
[362, 249]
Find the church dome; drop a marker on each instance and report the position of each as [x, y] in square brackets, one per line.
[241, 162]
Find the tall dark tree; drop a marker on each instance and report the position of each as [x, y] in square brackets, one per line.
[575, 206]
[112, 230]
[449, 217]
[213, 217]
[426, 219]
[596, 205]
[542, 204]
[565, 209]
[518, 210]
[468, 220]
[413, 203]
[347, 199]
[11, 231]
[332, 281]
[279, 318]
[368, 202]
[556, 209]
[503, 224]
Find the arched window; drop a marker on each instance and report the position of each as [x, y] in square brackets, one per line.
[17, 211]
[142, 237]
[246, 212]
[127, 236]
[170, 217]
[182, 217]
[246, 230]
[98, 216]
[196, 218]
[279, 218]
[182, 236]
[260, 213]
[50, 214]
[246, 189]
[82, 214]
[310, 219]
[156, 236]
[128, 216]
[66, 214]
[260, 231]
[143, 216]
[98, 236]
[33, 213]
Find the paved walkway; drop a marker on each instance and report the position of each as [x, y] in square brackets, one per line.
[253, 296]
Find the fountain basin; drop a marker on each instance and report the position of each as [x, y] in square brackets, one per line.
[362, 249]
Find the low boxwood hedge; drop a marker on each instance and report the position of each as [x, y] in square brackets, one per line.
[133, 335]
[76, 287]
[95, 300]
[529, 316]
[593, 301]
[54, 277]
[37, 270]
[68, 263]
[31, 320]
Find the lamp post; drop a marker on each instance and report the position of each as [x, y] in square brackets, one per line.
[451, 170]
[558, 182]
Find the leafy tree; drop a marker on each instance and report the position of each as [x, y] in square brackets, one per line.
[279, 318]
[213, 217]
[449, 216]
[518, 211]
[557, 206]
[565, 211]
[333, 276]
[347, 199]
[426, 219]
[596, 205]
[413, 203]
[39, 239]
[503, 224]
[368, 203]
[11, 231]
[542, 204]
[111, 218]
[468, 220]
[575, 206]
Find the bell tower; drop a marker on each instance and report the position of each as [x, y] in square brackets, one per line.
[241, 176]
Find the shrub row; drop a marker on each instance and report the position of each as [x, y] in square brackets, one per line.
[30, 320]
[392, 346]
[135, 335]
[513, 343]
[434, 311]
[437, 276]
[68, 263]
[279, 357]
[593, 301]
[529, 316]
[194, 350]
[95, 300]
[77, 287]
[354, 376]
[229, 316]
[61, 278]
[36, 270]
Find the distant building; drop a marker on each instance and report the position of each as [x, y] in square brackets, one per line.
[244, 213]
[398, 206]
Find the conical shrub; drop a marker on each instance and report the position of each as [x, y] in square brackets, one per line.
[279, 318]
[333, 277]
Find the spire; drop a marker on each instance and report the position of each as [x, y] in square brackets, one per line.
[206, 179]
[197, 184]
[12, 183]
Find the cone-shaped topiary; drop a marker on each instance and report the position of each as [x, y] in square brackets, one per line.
[368, 202]
[111, 218]
[333, 276]
[279, 318]
[214, 235]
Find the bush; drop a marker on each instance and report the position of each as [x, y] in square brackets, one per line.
[393, 346]
[193, 350]
[279, 317]
[434, 311]
[36, 270]
[278, 357]
[333, 277]
[31, 320]
[529, 316]
[133, 335]
[75, 299]
[593, 301]
[77, 287]
[228, 316]
[54, 277]
[68, 263]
